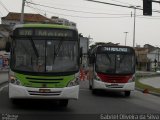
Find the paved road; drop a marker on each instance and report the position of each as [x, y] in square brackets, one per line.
[88, 106]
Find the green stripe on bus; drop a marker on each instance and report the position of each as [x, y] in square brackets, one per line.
[47, 81]
[46, 26]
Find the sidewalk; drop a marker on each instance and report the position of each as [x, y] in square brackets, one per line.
[3, 77]
[153, 81]
[149, 85]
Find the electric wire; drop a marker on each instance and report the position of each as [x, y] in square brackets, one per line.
[71, 10]
[4, 6]
[76, 15]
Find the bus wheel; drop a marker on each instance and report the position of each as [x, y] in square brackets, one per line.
[94, 91]
[90, 87]
[14, 101]
[63, 103]
[127, 93]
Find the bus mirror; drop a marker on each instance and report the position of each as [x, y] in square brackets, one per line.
[8, 46]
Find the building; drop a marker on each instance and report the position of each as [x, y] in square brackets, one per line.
[84, 45]
[14, 18]
[148, 57]
[154, 59]
[4, 33]
[62, 21]
[142, 60]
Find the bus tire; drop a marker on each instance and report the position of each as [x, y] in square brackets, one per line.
[90, 87]
[127, 93]
[14, 101]
[63, 103]
[94, 91]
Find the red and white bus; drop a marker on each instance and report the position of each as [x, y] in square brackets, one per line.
[112, 68]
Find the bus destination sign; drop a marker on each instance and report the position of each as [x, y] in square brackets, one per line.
[45, 32]
[115, 49]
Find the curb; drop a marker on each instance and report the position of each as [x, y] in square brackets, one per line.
[3, 83]
[150, 92]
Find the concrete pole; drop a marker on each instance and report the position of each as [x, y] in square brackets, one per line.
[134, 27]
[22, 12]
[125, 37]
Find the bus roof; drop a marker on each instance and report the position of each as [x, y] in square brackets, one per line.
[44, 26]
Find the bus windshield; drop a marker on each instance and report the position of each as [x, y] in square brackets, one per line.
[41, 55]
[115, 63]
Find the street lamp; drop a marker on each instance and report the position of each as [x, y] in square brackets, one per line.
[125, 37]
[134, 27]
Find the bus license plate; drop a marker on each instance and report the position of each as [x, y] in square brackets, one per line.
[114, 84]
[44, 90]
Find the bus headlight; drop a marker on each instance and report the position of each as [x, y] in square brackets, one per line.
[13, 80]
[132, 79]
[73, 82]
[97, 77]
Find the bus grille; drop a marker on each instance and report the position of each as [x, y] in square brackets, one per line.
[44, 80]
[114, 78]
[54, 93]
[114, 86]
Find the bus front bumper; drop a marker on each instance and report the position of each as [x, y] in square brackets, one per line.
[114, 86]
[20, 92]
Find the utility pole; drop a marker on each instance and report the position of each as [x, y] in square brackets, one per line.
[125, 37]
[158, 56]
[134, 27]
[22, 12]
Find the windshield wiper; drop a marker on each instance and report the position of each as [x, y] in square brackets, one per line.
[108, 57]
[34, 47]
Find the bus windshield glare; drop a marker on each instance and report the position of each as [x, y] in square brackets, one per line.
[111, 63]
[45, 55]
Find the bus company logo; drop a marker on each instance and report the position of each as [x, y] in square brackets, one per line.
[115, 49]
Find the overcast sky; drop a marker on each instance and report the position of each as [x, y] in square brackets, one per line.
[104, 23]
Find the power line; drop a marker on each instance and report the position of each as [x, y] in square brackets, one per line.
[110, 3]
[76, 15]
[156, 17]
[72, 10]
[122, 2]
[1, 13]
[36, 10]
[139, 16]
[4, 6]
[118, 5]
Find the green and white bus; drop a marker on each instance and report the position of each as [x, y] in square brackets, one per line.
[44, 62]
